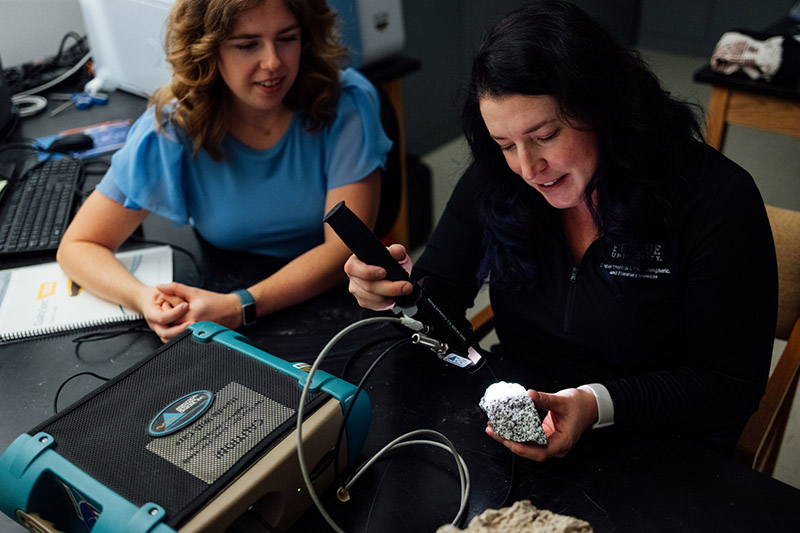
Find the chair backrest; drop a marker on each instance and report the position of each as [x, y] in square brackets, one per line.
[762, 437]
[786, 232]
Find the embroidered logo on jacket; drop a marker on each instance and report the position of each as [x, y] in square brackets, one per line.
[634, 261]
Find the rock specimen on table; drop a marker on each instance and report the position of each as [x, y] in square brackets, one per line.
[512, 413]
[522, 517]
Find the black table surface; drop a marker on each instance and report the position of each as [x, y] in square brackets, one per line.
[613, 480]
[616, 481]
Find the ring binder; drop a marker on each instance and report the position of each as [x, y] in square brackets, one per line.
[40, 300]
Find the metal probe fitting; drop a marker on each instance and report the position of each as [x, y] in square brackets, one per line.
[437, 346]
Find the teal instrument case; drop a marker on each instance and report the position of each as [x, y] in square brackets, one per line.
[192, 438]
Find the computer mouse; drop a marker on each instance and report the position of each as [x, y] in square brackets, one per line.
[73, 142]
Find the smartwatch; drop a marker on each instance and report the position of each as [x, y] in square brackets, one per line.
[248, 306]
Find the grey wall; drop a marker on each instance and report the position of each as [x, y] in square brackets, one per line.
[442, 34]
[33, 29]
[694, 26]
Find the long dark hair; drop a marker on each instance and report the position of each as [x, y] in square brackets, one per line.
[554, 48]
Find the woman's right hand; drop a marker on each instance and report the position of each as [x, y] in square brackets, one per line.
[368, 283]
[164, 313]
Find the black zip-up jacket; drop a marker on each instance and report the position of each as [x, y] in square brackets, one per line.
[681, 336]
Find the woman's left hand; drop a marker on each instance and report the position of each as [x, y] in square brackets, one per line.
[223, 309]
[570, 413]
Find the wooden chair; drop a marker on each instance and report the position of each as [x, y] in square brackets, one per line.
[761, 439]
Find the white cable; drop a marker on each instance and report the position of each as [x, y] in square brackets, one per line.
[300, 455]
[56, 81]
[28, 105]
[463, 472]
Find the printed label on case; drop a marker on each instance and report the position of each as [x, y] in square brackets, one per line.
[239, 419]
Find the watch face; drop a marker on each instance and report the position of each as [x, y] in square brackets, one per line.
[249, 314]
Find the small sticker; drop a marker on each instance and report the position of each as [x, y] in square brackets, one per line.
[85, 511]
[180, 413]
[457, 360]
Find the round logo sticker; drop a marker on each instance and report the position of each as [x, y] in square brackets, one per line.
[180, 413]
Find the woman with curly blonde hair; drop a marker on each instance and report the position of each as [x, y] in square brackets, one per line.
[195, 32]
[258, 134]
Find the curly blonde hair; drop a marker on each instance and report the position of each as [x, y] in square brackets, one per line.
[196, 94]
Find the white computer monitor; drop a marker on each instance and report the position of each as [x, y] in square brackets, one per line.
[127, 42]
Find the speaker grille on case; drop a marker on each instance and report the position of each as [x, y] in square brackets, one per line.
[106, 433]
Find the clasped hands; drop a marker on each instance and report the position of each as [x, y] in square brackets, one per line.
[170, 308]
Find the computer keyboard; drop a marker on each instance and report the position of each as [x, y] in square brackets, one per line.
[37, 208]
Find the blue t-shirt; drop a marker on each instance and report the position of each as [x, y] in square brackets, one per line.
[270, 201]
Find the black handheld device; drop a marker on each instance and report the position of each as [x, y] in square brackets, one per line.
[451, 335]
[363, 242]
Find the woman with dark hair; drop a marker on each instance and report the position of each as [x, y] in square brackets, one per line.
[255, 138]
[627, 261]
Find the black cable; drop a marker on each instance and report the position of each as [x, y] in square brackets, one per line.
[387, 351]
[356, 354]
[33, 77]
[106, 334]
[88, 171]
[58, 392]
[94, 162]
[79, 41]
[77, 190]
[12, 163]
[21, 144]
[34, 146]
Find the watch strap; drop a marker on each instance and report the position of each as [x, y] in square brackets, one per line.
[248, 306]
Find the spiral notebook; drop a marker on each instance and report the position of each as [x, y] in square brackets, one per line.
[41, 300]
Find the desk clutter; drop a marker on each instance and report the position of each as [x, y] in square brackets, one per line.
[38, 200]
